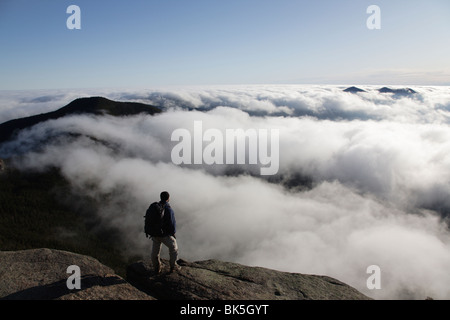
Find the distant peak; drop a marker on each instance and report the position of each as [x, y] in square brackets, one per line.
[402, 91]
[100, 105]
[354, 90]
[86, 105]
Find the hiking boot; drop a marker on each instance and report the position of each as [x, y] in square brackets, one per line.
[175, 268]
[158, 270]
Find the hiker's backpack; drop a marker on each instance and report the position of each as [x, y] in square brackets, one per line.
[154, 220]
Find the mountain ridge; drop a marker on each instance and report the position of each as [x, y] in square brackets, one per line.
[222, 280]
[397, 92]
[87, 105]
[42, 274]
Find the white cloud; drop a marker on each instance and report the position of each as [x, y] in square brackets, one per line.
[375, 162]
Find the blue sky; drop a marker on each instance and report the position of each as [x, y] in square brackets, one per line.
[170, 42]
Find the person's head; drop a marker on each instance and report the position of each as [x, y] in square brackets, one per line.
[164, 196]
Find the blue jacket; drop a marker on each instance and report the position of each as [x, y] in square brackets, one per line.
[169, 223]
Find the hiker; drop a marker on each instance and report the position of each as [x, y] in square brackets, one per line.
[167, 237]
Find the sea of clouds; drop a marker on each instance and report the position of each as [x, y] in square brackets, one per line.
[364, 179]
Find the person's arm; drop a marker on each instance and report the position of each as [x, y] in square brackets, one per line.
[171, 223]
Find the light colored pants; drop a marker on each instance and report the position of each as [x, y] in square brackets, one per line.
[171, 243]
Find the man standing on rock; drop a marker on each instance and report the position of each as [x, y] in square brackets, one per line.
[167, 237]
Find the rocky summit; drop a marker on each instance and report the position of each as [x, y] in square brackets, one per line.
[218, 280]
[44, 274]
[41, 274]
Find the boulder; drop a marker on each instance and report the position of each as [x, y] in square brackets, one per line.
[41, 274]
[218, 280]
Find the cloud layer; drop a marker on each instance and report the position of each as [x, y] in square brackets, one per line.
[364, 180]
